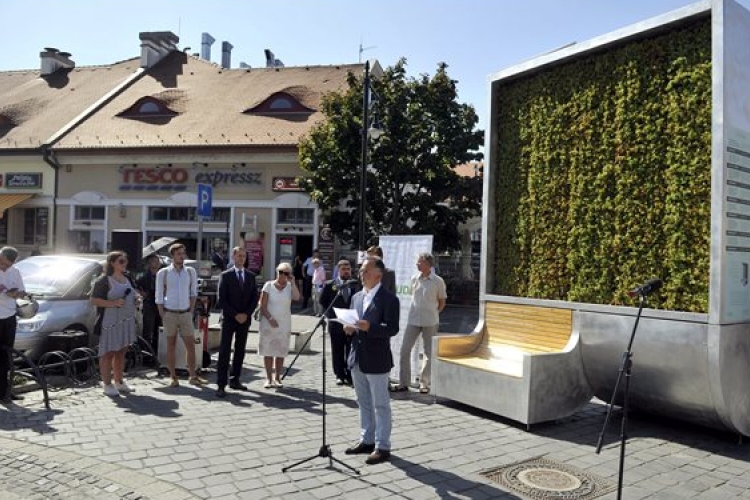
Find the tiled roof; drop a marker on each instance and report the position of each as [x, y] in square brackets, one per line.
[211, 102]
[471, 169]
[36, 107]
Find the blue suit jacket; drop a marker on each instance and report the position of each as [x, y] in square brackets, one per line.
[373, 347]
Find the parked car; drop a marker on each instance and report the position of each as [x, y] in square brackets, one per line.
[61, 285]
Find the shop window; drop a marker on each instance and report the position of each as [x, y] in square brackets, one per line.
[35, 224]
[296, 215]
[177, 214]
[4, 228]
[88, 241]
[89, 213]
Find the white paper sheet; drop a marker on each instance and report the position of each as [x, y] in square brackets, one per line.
[345, 316]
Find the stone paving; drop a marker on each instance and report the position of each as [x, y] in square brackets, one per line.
[184, 443]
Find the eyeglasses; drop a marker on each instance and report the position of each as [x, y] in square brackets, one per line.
[285, 273]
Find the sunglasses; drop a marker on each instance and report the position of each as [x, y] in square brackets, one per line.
[285, 273]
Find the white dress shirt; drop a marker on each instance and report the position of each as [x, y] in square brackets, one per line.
[181, 287]
[10, 278]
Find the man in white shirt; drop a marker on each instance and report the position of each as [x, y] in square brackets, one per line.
[176, 291]
[11, 288]
[428, 300]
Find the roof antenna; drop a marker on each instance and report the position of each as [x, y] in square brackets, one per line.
[362, 49]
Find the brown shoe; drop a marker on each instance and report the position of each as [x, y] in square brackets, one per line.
[197, 380]
[174, 383]
[378, 457]
[360, 448]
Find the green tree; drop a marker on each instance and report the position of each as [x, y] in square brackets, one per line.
[411, 185]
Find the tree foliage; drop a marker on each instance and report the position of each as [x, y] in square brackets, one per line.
[411, 185]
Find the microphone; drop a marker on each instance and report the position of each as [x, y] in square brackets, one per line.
[350, 283]
[647, 288]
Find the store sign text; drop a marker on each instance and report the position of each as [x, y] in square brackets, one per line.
[168, 178]
[23, 181]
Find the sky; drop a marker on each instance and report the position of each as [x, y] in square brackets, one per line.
[476, 38]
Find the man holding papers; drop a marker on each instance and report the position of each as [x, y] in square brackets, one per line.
[371, 360]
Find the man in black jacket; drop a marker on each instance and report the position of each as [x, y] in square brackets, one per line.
[371, 360]
[336, 292]
[146, 284]
[238, 297]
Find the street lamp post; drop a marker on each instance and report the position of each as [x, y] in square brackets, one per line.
[367, 131]
[363, 166]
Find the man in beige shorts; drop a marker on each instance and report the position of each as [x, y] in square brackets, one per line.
[176, 291]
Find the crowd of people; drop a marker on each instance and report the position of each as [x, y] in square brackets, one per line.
[360, 350]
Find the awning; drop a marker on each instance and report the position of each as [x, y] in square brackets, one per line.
[11, 200]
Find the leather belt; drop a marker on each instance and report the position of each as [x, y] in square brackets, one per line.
[176, 311]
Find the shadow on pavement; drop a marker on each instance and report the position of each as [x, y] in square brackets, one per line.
[447, 484]
[140, 404]
[19, 417]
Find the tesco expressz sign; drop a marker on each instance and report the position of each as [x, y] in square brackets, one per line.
[167, 178]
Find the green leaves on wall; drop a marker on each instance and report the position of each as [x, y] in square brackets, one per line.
[603, 175]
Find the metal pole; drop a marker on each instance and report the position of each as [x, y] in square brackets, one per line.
[199, 252]
[363, 166]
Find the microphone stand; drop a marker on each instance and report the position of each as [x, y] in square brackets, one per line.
[325, 448]
[625, 369]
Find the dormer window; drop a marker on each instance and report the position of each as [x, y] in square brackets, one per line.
[148, 107]
[280, 104]
[5, 124]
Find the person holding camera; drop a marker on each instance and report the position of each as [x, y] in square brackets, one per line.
[11, 288]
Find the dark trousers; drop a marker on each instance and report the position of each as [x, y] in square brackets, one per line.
[7, 338]
[306, 290]
[230, 328]
[151, 324]
[341, 345]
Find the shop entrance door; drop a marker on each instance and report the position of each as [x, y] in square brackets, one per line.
[290, 245]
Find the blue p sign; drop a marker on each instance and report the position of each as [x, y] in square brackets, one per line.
[205, 198]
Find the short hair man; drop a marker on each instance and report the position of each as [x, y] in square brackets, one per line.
[389, 276]
[238, 297]
[428, 300]
[11, 288]
[371, 360]
[338, 293]
[176, 291]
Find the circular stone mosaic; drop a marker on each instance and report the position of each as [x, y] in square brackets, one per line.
[541, 478]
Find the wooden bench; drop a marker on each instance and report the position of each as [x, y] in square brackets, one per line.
[522, 362]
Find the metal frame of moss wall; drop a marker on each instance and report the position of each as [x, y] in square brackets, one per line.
[692, 366]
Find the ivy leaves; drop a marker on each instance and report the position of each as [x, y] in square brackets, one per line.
[603, 175]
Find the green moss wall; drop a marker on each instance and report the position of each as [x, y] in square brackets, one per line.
[603, 175]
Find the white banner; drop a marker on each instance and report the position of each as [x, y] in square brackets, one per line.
[400, 254]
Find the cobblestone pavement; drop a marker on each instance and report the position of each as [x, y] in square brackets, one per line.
[163, 443]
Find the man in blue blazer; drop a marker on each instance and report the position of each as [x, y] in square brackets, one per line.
[238, 297]
[371, 360]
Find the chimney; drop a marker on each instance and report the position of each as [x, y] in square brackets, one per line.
[226, 54]
[52, 60]
[155, 45]
[270, 58]
[277, 63]
[244, 65]
[206, 42]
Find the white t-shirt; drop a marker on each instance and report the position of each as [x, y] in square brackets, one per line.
[9, 279]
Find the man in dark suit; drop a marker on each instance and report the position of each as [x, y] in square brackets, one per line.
[238, 297]
[371, 360]
[389, 275]
[336, 293]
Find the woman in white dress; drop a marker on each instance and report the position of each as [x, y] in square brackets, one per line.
[276, 322]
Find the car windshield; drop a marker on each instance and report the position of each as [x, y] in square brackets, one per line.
[52, 276]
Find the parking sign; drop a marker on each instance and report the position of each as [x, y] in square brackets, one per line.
[205, 198]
